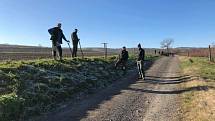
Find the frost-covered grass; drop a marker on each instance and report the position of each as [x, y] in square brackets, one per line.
[33, 87]
[29, 88]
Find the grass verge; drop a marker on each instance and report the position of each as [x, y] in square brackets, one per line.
[199, 105]
[31, 88]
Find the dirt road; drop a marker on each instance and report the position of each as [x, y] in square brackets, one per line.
[153, 99]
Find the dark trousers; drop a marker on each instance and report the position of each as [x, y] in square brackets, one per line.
[75, 48]
[59, 49]
[122, 62]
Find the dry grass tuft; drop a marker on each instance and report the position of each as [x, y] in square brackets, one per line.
[198, 105]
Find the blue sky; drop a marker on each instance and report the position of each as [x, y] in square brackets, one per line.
[117, 22]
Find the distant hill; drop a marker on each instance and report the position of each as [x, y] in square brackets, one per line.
[24, 48]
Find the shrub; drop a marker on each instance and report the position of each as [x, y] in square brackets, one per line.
[11, 107]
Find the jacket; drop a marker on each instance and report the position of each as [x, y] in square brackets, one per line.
[74, 37]
[141, 55]
[124, 55]
[56, 35]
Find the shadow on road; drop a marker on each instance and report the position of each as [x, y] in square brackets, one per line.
[109, 94]
[79, 110]
[167, 80]
[196, 88]
[170, 80]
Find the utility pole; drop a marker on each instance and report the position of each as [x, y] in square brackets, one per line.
[105, 50]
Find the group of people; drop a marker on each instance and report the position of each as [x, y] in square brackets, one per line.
[123, 58]
[57, 35]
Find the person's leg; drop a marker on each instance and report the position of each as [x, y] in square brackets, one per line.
[142, 69]
[117, 63]
[124, 67]
[139, 68]
[54, 53]
[73, 50]
[76, 49]
[124, 64]
[60, 51]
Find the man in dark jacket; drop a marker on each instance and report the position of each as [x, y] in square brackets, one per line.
[140, 62]
[123, 58]
[56, 37]
[75, 41]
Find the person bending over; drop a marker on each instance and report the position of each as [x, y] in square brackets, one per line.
[123, 58]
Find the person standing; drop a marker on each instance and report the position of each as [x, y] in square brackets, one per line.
[75, 41]
[122, 59]
[140, 62]
[56, 37]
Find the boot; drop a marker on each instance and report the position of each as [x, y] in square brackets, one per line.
[61, 58]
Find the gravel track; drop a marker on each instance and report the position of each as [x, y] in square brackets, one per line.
[154, 99]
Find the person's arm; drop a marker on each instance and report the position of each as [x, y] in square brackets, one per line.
[127, 56]
[76, 37]
[139, 56]
[72, 37]
[63, 36]
[143, 55]
[121, 55]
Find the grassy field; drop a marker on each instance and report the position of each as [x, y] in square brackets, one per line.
[195, 52]
[21, 52]
[29, 88]
[199, 104]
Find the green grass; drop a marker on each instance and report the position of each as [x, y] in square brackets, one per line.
[199, 66]
[12, 107]
[37, 86]
[197, 105]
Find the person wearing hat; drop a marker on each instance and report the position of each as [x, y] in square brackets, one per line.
[75, 40]
[56, 37]
[140, 62]
[123, 58]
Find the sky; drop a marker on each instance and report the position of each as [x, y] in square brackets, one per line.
[191, 23]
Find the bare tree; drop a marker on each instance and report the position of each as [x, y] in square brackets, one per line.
[213, 44]
[39, 45]
[166, 44]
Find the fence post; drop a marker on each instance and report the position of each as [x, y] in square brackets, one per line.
[188, 53]
[210, 58]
